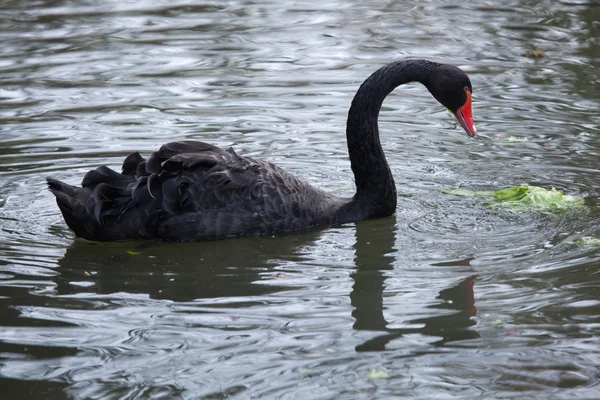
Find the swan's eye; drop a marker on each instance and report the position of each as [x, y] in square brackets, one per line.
[466, 89]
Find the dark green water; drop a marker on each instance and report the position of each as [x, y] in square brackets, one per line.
[448, 299]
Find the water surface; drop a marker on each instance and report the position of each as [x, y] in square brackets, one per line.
[448, 298]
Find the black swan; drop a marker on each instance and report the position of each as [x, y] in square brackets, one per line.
[191, 190]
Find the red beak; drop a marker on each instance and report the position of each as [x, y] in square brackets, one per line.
[464, 116]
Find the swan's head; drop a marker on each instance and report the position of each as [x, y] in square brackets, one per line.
[452, 87]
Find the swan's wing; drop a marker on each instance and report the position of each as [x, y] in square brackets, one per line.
[189, 191]
[216, 194]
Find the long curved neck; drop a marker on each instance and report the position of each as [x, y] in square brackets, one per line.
[375, 187]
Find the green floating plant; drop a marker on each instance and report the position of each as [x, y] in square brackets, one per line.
[527, 198]
[588, 242]
[469, 193]
[516, 139]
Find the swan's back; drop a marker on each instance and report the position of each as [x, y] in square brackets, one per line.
[191, 191]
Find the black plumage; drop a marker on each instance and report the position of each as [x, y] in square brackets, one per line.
[192, 190]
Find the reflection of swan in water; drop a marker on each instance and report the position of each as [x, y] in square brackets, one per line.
[450, 328]
[188, 271]
[374, 246]
[177, 271]
[191, 191]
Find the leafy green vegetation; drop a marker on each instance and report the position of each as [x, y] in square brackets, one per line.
[526, 198]
[588, 242]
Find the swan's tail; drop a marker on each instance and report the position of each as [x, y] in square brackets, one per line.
[71, 200]
[108, 205]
